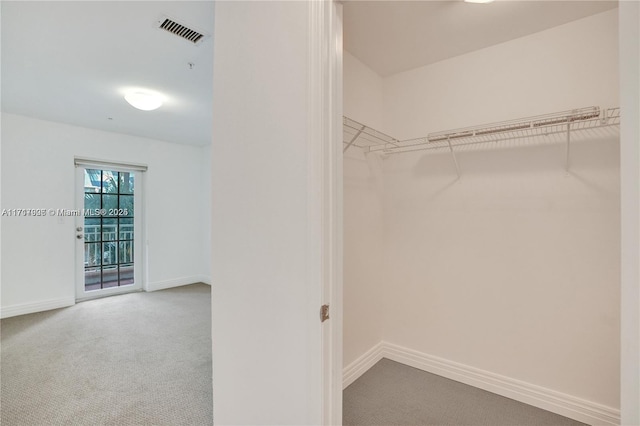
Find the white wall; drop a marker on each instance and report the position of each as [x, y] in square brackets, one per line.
[514, 269]
[206, 213]
[363, 93]
[38, 172]
[363, 221]
[630, 176]
[266, 327]
[573, 65]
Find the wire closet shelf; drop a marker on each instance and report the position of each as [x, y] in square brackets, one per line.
[559, 126]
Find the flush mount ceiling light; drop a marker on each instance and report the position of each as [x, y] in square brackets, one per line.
[145, 101]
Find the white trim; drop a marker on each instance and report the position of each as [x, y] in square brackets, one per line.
[324, 208]
[145, 233]
[111, 165]
[43, 305]
[534, 395]
[629, 69]
[316, 226]
[175, 282]
[63, 302]
[315, 274]
[336, 236]
[357, 368]
[204, 279]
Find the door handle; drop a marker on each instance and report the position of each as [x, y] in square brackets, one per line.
[80, 236]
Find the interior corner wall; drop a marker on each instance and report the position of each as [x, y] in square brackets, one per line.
[205, 213]
[363, 93]
[1, 207]
[38, 172]
[363, 242]
[515, 268]
[630, 189]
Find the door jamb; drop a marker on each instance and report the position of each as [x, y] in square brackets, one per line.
[325, 178]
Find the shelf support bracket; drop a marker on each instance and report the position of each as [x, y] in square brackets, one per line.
[566, 165]
[453, 155]
[353, 139]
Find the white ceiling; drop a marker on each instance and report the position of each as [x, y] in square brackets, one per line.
[395, 36]
[71, 61]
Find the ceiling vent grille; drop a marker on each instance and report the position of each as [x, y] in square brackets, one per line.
[182, 31]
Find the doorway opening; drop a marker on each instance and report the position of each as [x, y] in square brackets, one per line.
[108, 230]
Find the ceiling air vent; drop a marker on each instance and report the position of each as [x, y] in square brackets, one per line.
[171, 25]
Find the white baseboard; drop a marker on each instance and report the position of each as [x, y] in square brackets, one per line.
[176, 282]
[557, 402]
[358, 367]
[29, 308]
[46, 305]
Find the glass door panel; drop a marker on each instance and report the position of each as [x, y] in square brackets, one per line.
[107, 231]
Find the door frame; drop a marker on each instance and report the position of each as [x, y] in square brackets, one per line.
[629, 14]
[629, 64]
[325, 177]
[140, 272]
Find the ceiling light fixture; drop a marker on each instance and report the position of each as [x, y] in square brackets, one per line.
[145, 101]
[478, 1]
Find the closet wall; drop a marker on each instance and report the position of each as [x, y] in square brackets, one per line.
[514, 268]
[363, 224]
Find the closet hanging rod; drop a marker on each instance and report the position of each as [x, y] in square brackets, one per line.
[537, 126]
[421, 145]
[539, 121]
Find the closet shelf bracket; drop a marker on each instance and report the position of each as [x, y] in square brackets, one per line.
[568, 155]
[361, 136]
[354, 138]
[453, 156]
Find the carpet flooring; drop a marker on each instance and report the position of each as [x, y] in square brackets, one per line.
[133, 359]
[391, 394]
[145, 359]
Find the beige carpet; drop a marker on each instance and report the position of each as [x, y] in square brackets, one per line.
[134, 359]
[395, 394]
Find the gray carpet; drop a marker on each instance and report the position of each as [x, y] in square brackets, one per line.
[395, 394]
[134, 359]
